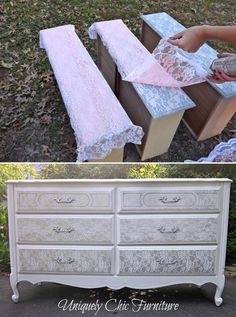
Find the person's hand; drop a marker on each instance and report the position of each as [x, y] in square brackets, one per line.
[189, 40]
[219, 77]
[221, 55]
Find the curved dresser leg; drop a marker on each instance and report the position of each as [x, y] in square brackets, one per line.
[13, 282]
[219, 291]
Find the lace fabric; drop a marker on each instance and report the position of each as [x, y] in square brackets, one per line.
[168, 67]
[128, 53]
[166, 26]
[99, 122]
[223, 152]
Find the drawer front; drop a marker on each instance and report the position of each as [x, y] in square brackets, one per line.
[53, 260]
[181, 199]
[167, 261]
[66, 230]
[179, 229]
[66, 200]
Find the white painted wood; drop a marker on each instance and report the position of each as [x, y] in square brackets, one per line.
[181, 199]
[168, 229]
[160, 135]
[67, 229]
[65, 259]
[78, 182]
[167, 260]
[12, 242]
[98, 255]
[64, 199]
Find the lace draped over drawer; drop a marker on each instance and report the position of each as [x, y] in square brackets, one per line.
[166, 26]
[129, 54]
[99, 122]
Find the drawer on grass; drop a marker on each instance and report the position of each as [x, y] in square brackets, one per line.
[100, 199]
[169, 229]
[52, 259]
[82, 229]
[168, 260]
[181, 199]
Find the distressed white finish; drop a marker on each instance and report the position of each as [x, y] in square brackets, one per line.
[172, 198]
[132, 242]
[81, 260]
[167, 260]
[99, 122]
[173, 229]
[66, 229]
[65, 200]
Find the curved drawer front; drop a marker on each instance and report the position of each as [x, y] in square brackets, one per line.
[167, 261]
[65, 229]
[170, 198]
[179, 229]
[88, 200]
[53, 260]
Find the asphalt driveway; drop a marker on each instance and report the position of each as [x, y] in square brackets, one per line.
[41, 301]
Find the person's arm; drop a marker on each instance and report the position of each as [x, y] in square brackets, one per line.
[194, 37]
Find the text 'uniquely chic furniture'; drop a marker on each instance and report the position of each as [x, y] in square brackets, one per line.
[118, 233]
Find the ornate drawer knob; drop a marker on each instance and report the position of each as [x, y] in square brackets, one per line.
[163, 262]
[165, 200]
[65, 230]
[64, 261]
[68, 200]
[164, 230]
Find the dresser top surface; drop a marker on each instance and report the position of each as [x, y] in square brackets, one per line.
[141, 180]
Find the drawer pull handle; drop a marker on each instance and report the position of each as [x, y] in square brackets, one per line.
[68, 200]
[66, 261]
[164, 230]
[61, 230]
[165, 200]
[163, 262]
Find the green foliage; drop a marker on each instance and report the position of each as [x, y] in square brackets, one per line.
[147, 171]
[4, 248]
[62, 171]
[13, 171]
[8, 172]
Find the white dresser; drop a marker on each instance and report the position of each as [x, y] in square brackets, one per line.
[118, 233]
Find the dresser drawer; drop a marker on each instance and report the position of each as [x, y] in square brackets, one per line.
[62, 200]
[180, 199]
[167, 260]
[83, 260]
[169, 229]
[92, 229]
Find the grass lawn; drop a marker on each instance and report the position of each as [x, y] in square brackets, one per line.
[34, 125]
